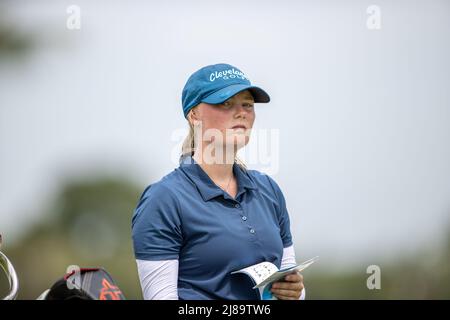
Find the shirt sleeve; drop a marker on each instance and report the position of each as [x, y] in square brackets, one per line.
[159, 279]
[283, 215]
[156, 225]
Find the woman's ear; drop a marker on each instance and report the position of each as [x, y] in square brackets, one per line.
[192, 116]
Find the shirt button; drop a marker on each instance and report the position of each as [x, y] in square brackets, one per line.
[252, 231]
[236, 205]
[244, 218]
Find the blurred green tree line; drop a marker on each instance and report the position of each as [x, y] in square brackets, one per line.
[89, 225]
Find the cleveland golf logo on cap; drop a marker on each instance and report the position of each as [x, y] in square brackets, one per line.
[227, 74]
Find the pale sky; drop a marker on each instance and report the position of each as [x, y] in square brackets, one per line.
[363, 115]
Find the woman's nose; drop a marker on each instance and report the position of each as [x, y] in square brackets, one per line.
[240, 111]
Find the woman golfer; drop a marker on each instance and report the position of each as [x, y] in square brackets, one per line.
[211, 216]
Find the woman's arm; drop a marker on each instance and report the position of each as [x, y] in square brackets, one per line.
[288, 260]
[157, 238]
[159, 279]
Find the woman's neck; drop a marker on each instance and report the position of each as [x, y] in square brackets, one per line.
[219, 169]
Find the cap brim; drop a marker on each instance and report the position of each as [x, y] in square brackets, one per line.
[259, 95]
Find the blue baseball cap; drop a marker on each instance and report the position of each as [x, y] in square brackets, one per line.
[215, 84]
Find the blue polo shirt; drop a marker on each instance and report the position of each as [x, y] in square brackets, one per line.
[186, 216]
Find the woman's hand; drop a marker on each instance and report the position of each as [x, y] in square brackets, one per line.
[289, 289]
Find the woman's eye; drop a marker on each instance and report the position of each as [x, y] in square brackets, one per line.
[248, 105]
[227, 104]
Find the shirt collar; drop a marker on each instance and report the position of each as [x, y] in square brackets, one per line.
[207, 188]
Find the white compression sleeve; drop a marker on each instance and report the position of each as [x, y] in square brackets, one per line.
[159, 279]
[288, 260]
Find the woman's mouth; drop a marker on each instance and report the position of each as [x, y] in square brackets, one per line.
[239, 127]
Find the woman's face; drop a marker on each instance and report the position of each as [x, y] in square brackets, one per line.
[229, 123]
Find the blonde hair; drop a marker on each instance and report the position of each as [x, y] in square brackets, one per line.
[188, 147]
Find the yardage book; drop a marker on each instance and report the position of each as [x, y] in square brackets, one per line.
[265, 273]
